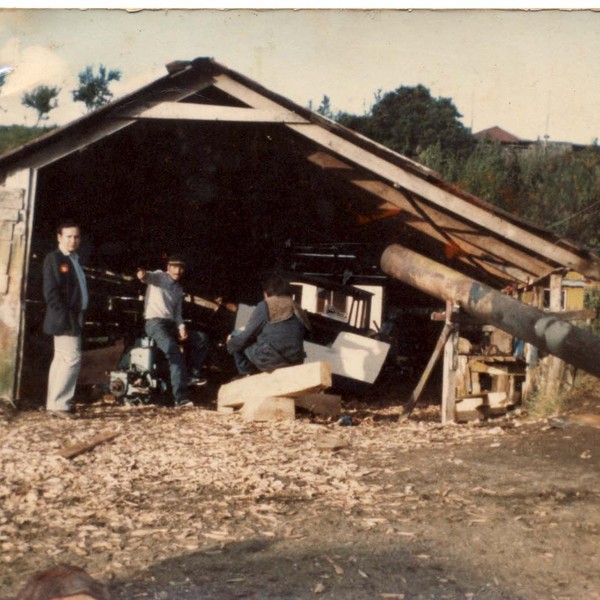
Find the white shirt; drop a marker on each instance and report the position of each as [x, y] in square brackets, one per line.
[164, 297]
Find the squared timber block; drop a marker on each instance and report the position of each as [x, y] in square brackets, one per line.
[351, 355]
[273, 408]
[287, 382]
[328, 405]
[468, 409]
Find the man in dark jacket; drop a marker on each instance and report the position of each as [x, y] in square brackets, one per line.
[274, 334]
[66, 296]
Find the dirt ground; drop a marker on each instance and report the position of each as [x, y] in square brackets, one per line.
[192, 504]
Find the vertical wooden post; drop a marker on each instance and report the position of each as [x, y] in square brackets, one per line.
[555, 366]
[449, 368]
[531, 353]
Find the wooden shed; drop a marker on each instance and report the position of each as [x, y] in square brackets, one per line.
[209, 162]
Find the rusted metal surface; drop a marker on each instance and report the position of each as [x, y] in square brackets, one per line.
[574, 345]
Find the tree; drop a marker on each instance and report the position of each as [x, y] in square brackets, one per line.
[325, 108]
[408, 120]
[42, 99]
[4, 73]
[93, 89]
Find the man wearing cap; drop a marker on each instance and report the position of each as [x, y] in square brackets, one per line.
[66, 296]
[164, 324]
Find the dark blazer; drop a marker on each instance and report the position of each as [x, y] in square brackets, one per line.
[62, 294]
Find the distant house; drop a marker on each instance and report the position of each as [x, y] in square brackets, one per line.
[512, 142]
[497, 134]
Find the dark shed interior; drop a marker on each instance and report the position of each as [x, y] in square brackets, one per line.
[236, 199]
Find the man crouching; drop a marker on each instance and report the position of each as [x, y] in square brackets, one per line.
[274, 334]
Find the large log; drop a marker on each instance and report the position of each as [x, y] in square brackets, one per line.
[288, 382]
[576, 346]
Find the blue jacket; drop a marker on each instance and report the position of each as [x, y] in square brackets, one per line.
[273, 336]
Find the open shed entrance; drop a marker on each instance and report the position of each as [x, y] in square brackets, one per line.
[236, 199]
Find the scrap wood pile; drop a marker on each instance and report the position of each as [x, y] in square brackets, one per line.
[123, 488]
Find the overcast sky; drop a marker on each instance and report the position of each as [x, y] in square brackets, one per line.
[530, 72]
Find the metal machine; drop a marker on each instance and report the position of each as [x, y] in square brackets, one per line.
[139, 379]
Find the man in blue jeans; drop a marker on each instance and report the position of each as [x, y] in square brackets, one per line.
[164, 324]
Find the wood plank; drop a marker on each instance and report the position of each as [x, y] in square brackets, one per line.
[210, 112]
[327, 405]
[287, 382]
[273, 408]
[479, 367]
[493, 251]
[439, 346]
[351, 355]
[449, 375]
[329, 440]
[80, 448]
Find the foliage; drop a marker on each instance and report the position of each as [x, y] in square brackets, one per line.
[558, 190]
[42, 99]
[13, 136]
[409, 121]
[592, 302]
[325, 108]
[93, 88]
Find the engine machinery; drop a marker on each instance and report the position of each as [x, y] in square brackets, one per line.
[139, 379]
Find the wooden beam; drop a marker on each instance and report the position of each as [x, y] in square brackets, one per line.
[273, 408]
[209, 112]
[116, 120]
[495, 253]
[287, 382]
[439, 346]
[482, 217]
[450, 368]
[351, 355]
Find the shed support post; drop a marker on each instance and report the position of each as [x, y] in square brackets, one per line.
[450, 367]
[555, 368]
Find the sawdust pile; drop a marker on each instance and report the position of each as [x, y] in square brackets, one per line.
[174, 482]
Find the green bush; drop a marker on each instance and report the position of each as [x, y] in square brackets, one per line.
[13, 136]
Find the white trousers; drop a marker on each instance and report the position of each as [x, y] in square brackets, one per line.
[64, 371]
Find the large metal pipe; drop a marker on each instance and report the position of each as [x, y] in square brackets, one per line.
[579, 347]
